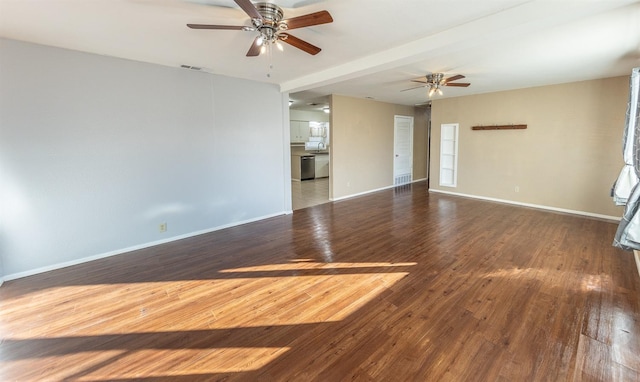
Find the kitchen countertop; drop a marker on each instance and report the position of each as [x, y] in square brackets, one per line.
[313, 153]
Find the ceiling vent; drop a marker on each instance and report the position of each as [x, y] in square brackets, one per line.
[190, 67]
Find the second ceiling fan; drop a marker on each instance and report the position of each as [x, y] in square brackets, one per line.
[435, 81]
[268, 20]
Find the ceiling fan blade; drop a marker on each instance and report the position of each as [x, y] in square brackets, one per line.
[249, 8]
[206, 26]
[421, 80]
[254, 50]
[317, 18]
[460, 84]
[454, 78]
[300, 44]
[417, 87]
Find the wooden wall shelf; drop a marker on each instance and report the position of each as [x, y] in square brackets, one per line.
[499, 127]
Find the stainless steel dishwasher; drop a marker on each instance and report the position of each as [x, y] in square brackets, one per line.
[307, 167]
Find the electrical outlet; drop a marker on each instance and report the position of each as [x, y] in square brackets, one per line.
[162, 227]
[517, 189]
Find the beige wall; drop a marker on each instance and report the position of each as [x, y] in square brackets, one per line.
[420, 143]
[567, 158]
[362, 145]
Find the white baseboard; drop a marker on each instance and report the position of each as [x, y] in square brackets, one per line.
[65, 264]
[537, 206]
[372, 191]
[359, 194]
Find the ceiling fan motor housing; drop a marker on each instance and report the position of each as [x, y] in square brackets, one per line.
[268, 20]
[271, 20]
[435, 79]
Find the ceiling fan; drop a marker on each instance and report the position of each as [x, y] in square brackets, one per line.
[435, 81]
[267, 20]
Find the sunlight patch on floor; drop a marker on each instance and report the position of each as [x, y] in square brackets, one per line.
[60, 368]
[236, 302]
[588, 282]
[128, 364]
[242, 308]
[200, 362]
[309, 264]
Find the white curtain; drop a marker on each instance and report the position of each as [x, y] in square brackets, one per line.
[627, 188]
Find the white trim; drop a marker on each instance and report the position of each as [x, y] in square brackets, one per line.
[376, 190]
[538, 206]
[401, 178]
[52, 267]
[286, 142]
[454, 155]
[361, 193]
[636, 254]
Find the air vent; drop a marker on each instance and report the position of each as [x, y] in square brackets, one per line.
[190, 67]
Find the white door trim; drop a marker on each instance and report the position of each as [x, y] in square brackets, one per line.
[402, 149]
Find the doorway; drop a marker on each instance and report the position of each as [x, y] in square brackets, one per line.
[402, 150]
[310, 139]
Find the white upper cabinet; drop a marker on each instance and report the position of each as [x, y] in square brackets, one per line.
[299, 131]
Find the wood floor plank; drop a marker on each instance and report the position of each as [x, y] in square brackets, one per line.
[399, 284]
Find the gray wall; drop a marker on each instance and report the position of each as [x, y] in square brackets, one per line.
[96, 152]
[309, 115]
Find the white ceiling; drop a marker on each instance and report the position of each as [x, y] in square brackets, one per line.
[372, 49]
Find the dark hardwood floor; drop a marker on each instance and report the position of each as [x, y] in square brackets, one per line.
[400, 285]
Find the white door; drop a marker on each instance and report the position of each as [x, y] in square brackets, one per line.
[402, 150]
[449, 154]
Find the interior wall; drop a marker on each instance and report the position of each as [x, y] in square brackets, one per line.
[362, 144]
[420, 143]
[567, 158]
[309, 115]
[97, 152]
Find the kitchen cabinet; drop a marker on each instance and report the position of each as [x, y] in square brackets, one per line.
[299, 131]
[295, 167]
[318, 129]
[322, 165]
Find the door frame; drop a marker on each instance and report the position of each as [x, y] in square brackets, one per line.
[404, 178]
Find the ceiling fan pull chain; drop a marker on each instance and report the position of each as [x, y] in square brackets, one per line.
[269, 45]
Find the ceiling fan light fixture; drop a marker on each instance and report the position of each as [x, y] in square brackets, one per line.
[435, 81]
[268, 20]
[279, 45]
